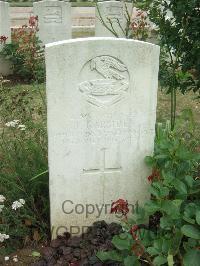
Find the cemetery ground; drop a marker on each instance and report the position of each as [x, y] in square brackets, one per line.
[26, 104]
[103, 144]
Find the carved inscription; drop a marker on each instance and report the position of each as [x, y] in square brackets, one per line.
[107, 130]
[111, 85]
[53, 14]
[114, 13]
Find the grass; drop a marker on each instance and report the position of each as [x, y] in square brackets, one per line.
[24, 155]
[21, 4]
[81, 34]
[187, 115]
[187, 101]
[22, 101]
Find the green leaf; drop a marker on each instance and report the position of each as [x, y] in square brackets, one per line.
[149, 160]
[152, 207]
[168, 177]
[131, 261]
[190, 213]
[189, 220]
[159, 260]
[35, 254]
[191, 243]
[109, 255]
[195, 190]
[161, 156]
[164, 192]
[166, 222]
[146, 237]
[170, 260]
[198, 216]
[122, 242]
[172, 208]
[189, 180]
[180, 186]
[177, 203]
[39, 175]
[140, 215]
[166, 246]
[158, 244]
[192, 258]
[176, 242]
[154, 191]
[159, 190]
[191, 231]
[153, 251]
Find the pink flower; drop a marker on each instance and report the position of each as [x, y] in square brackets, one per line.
[33, 21]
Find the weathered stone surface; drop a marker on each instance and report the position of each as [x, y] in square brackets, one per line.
[5, 20]
[101, 116]
[5, 67]
[112, 15]
[54, 20]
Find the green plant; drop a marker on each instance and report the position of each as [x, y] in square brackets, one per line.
[23, 152]
[26, 53]
[177, 24]
[166, 231]
[15, 224]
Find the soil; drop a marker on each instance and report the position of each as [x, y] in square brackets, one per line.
[24, 258]
[70, 251]
[80, 250]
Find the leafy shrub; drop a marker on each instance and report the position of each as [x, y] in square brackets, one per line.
[172, 235]
[26, 53]
[178, 27]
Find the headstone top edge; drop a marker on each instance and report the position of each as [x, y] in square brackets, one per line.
[111, 2]
[49, 1]
[85, 40]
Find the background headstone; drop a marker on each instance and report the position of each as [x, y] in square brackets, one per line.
[111, 12]
[5, 30]
[54, 20]
[101, 95]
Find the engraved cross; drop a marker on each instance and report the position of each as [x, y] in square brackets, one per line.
[103, 170]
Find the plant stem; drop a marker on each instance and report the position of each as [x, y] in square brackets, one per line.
[180, 258]
[173, 108]
[104, 23]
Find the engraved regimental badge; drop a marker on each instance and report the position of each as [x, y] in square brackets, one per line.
[52, 14]
[108, 81]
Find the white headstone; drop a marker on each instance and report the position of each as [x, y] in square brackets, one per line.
[112, 14]
[101, 95]
[5, 20]
[54, 20]
[5, 30]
